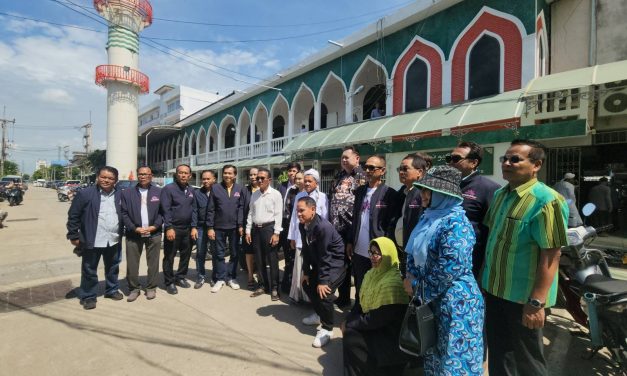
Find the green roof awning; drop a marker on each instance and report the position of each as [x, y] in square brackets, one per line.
[596, 75]
[499, 107]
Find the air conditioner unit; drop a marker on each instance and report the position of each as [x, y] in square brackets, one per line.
[613, 99]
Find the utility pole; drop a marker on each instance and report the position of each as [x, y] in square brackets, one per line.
[3, 147]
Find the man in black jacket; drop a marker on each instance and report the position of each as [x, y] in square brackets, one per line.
[413, 167]
[323, 266]
[177, 200]
[225, 223]
[477, 191]
[199, 222]
[142, 220]
[374, 215]
[94, 225]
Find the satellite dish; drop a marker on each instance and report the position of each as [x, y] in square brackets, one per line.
[588, 209]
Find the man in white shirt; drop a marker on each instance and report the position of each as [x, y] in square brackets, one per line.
[311, 181]
[263, 227]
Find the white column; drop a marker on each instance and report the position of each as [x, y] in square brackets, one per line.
[348, 113]
[290, 124]
[269, 133]
[317, 115]
[389, 99]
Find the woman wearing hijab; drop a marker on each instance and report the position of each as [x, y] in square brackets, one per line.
[439, 262]
[370, 336]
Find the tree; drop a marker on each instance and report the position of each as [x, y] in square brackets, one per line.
[26, 177]
[42, 173]
[10, 168]
[97, 159]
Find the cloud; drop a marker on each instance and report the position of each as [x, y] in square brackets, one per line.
[59, 96]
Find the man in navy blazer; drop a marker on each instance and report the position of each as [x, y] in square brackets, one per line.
[95, 226]
[143, 221]
[374, 215]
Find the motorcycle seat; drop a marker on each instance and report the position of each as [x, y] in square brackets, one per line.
[603, 285]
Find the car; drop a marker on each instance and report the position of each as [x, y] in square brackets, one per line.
[123, 184]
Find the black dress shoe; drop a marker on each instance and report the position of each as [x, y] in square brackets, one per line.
[89, 304]
[115, 296]
[182, 283]
[199, 283]
[274, 296]
[171, 289]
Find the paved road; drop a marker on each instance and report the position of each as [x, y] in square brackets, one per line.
[191, 333]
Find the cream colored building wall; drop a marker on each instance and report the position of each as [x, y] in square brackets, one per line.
[570, 35]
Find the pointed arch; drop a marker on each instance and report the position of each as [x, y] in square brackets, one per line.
[185, 146]
[304, 102]
[509, 30]
[202, 141]
[193, 149]
[228, 133]
[433, 56]
[243, 126]
[332, 95]
[260, 122]
[280, 109]
[212, 139]
[372, 75]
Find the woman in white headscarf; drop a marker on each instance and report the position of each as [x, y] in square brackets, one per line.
[311, 181]
[439, 263]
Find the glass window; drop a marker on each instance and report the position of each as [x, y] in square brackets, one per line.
[416, 86]
[229, 136]
[484, 71]
[278, 127]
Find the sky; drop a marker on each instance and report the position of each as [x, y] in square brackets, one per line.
[49, 50]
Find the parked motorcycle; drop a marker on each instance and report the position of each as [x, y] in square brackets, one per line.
[589, 293]
[15, 196]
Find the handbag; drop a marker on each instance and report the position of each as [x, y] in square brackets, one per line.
[418, 330]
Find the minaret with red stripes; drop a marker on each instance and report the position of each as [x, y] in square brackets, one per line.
[123, 81]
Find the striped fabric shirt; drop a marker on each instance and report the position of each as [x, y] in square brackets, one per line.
[522, 223]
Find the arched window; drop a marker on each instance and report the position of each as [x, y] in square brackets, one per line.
[375, 95]
[416, 86]
[484, 68]
[278, 125]
[212, 143]
[193, 148]
[324, 111]
[229, 136]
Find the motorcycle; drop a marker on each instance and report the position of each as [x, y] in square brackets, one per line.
[15, 196]
[593, 298]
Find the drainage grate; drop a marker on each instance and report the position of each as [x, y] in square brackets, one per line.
[22, 220]
[34, 296]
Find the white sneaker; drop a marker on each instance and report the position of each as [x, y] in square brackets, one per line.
[217, 286]
[312, 319]
[233, 284]
[322, 338]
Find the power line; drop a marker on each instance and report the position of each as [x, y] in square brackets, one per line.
[378, 11]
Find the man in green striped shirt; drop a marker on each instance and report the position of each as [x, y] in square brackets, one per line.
[527, 222]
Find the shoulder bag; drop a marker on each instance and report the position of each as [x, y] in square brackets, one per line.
[418, 331]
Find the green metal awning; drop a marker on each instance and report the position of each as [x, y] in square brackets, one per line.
[596, 75]
[499, 107]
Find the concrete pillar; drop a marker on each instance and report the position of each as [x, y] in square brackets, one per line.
[349, 108]
[317, 115]
[389, 98]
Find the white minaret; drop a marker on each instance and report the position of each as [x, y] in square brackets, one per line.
[122, 79]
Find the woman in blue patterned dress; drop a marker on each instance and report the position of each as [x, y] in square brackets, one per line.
[439, 258]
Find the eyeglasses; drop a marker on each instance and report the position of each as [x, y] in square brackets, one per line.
[512, 159]
[372, 168]
[261, 178]
[454, 158]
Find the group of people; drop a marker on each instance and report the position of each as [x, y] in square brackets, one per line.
[485, 257]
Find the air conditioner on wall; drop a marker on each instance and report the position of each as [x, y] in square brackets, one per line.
[613, 99]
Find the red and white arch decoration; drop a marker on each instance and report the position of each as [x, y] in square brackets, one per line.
[431, 54]
[509, 30]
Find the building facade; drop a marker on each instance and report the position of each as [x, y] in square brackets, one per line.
[439, 71]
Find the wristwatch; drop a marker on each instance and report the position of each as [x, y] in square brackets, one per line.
[535, 303]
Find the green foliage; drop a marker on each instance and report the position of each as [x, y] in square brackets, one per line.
[26, 177]
[283, 177]
[10, 168]
[40, 174]
[97, 159]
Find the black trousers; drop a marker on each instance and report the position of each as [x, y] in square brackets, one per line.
[323, 307]
[513, 349]
[361, 265]
[288, 254]
[344, 290]
[358, 361]
[182, 243]
[266, 254]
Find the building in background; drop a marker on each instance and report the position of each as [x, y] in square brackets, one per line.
[40, 164]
